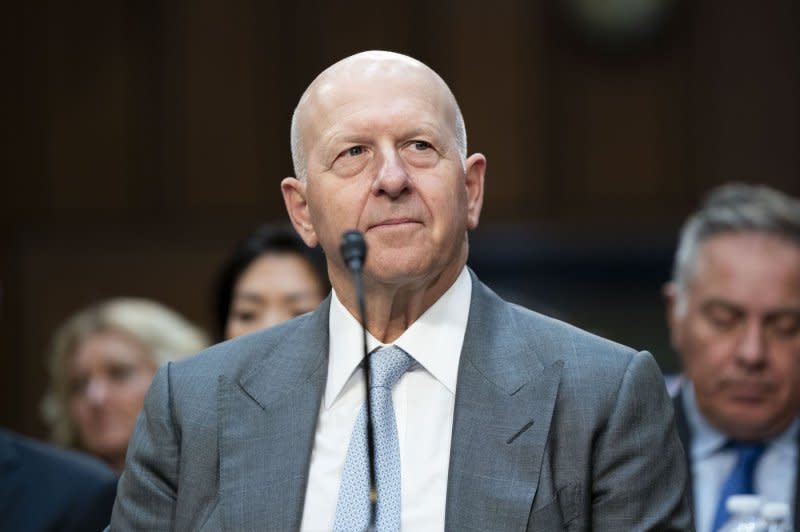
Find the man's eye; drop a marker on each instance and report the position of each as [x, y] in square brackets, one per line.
[722, 316]
[421, 145]
[355, 151]
[786, 324]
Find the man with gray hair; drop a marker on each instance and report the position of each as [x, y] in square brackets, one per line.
[734, 315]
[486, 416]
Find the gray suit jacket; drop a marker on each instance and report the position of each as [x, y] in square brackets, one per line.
[554, 429]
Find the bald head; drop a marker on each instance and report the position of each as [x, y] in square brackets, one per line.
[365, 70]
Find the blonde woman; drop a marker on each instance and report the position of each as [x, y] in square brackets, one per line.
[101, 363]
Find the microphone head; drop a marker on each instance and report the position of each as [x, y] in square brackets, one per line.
[353, 249]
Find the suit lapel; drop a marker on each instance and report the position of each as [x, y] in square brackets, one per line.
[682, 426]
[504, 404]
[266, 430]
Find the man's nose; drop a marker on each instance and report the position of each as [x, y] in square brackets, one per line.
[752, 347]
[392, 178]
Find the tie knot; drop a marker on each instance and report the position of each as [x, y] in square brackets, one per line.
[748, 452]
[387, 365]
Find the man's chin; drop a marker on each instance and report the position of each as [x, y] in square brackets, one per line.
[749, 422]
[394, 275]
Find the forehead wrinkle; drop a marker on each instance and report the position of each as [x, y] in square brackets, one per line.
[374, 67]
[367, 130]
[399, 123]
[353, 128]
[716, 265]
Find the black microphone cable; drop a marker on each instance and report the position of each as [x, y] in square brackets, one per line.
[354, 252]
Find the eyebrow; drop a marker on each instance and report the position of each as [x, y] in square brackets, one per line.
[423, 130]
[722, 303]
[783, 311]
[361, 137]
[738, 308]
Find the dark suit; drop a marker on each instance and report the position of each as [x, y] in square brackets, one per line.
[685, 433]
[554, 429]
[43, 488]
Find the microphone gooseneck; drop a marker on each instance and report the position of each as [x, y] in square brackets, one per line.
[354, 252]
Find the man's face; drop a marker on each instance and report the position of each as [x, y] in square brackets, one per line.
[382, 158]
[739, 333]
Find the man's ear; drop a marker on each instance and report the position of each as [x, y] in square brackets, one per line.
[475, 172]
[294, 196]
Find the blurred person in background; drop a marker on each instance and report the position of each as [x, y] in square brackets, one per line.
[270, 277]
[44, 488]
[733, 309]
[101, 363]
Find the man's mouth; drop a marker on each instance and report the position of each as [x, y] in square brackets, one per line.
[748, 391]
[393, 222]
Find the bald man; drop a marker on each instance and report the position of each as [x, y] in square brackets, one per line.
[486, 416]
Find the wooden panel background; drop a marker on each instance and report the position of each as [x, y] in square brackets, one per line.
[143, 137]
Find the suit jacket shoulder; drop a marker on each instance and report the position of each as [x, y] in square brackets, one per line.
[291, 350]
[592, 364]
[557, 428]
[227, 432]
[554, 428]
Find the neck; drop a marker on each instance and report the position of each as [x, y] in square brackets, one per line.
[392, 307]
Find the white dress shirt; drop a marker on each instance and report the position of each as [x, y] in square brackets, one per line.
[424, 399]
[774, 476]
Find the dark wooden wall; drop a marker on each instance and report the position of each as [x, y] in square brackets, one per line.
[143, 137]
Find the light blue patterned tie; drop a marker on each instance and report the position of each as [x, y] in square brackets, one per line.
[352, 509]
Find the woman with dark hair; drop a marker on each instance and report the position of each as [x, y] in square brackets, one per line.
[270, 277]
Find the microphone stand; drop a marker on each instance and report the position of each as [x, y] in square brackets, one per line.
[354, 251]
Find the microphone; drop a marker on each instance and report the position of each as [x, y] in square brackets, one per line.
[354, 252]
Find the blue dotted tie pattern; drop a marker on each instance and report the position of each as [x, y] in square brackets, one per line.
[387, 365]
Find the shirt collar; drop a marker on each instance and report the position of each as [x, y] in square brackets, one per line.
[786, 442]
[434, 340]
[706, 440]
